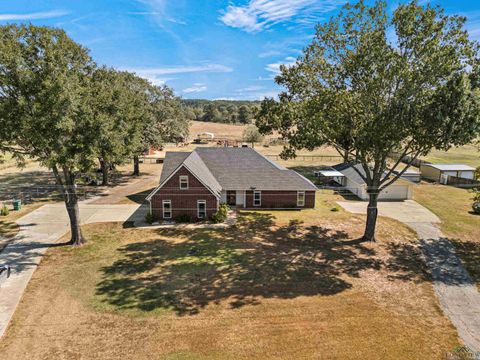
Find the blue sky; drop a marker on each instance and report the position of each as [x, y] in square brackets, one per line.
[213, 49]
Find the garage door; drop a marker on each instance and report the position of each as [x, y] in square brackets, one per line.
[394, 193]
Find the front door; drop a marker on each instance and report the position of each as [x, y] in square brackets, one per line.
[231, 197]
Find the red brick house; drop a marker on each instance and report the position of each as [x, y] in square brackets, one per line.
[196, 183]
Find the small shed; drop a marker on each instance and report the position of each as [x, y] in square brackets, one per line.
[353, 182]
[441, 172]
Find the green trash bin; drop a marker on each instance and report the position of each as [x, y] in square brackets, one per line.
[17, 204]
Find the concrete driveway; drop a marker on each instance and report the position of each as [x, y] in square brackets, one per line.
[40, 230]
[408, 211]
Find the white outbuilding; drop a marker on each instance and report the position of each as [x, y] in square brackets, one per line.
[440, 172]
[353, 182]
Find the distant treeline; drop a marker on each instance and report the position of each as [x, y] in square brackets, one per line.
[221, 111]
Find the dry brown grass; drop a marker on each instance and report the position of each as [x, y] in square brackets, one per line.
[229, 131]
[267, 288]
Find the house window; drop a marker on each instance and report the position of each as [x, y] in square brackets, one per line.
[183, 182]
[300, 198]
[257, 198]
[201, 209]
[167, 209]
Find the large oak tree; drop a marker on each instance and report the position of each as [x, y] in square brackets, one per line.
[44, 79]
[373, 84]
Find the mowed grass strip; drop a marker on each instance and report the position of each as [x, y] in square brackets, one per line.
[454, 208]
[267, 288]
[468, 155]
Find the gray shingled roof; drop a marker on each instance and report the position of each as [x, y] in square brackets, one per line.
[171, 162]
[237, 169]
[190, 160]
[198, 168]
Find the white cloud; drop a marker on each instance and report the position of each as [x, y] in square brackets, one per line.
[33, 16]
[196, 88]
[275, 67]
[160, 75]
[249, 89]
[252, 96]
[257, 15]
[182, 69]
[269, 53]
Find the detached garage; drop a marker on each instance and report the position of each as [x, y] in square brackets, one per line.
[353, 182]
[440, 172]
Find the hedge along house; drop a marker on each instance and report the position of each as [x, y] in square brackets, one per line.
[195, 183]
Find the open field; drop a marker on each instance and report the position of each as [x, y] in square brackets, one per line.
[453, 207]
[468, 154]
[228, 131]
[284, 284]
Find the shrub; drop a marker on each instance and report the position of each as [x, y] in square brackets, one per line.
[476, 201]
[221, 215]
[149, 218]
[184, 218]
[4, 210]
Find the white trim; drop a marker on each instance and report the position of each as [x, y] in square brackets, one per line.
[198, 208]
[300, 204]
[171, 175]
[163, 209]
[260, 198]
[183, 178]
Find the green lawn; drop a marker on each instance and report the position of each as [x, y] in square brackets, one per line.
[283, 284]
[453, 206]
[468, 154]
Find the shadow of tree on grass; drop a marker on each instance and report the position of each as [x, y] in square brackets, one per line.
[185, 270]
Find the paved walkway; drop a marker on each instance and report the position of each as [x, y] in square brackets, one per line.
[457, 293]
[40, 230]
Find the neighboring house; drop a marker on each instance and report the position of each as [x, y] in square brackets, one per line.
[195, 183]
[353, 182]
[440, 172]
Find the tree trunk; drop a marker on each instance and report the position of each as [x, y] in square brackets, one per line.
[136, 166]
[372, 212]
[74, 215]
[345, 155]
[105, 167]
[70, 196]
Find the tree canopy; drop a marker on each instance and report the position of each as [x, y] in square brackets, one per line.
[59, 108]
[221, 111]
[372, 85]
[252, 135]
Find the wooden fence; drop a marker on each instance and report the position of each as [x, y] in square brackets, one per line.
[462, 182]
[310, 157]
